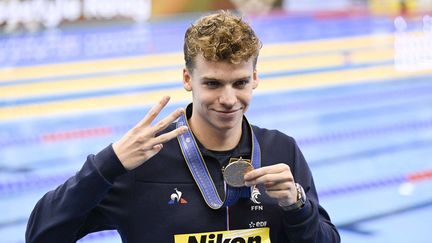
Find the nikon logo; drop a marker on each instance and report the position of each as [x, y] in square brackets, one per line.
[254, 235]
[218, 238]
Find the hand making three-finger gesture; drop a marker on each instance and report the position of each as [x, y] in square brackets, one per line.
[140, 143]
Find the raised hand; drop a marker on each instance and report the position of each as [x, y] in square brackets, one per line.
[140, 143]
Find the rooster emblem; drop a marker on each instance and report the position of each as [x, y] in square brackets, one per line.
[176, 197]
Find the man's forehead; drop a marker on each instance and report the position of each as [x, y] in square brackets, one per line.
[201, 62]
[224, 71]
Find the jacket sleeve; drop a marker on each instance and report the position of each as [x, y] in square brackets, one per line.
[73, 209]
[310, 224]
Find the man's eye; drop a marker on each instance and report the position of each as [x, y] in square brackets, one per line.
[212, 84]
[241, 83]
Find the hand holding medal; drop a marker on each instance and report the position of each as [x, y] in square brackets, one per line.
[277, 180]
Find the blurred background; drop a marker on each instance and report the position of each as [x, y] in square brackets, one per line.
[349, 79]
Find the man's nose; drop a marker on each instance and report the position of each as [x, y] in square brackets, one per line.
[228, 97]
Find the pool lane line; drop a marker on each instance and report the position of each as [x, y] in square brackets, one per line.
[354, 225]
[371, 152]
[355, 187]
[100, 74]
[340, 136]
[337, 136]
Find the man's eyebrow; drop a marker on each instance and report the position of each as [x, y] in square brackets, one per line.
[248, 77]
[244, 78]
[210, 79]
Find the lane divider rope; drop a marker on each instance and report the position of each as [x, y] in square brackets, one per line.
[307, 141]
[414, 177]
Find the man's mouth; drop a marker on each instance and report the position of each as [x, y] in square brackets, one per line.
[228, 111]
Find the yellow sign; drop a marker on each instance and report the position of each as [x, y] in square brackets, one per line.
[395, 7]
[257, 235]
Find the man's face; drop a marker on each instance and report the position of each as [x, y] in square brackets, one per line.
[221, 92]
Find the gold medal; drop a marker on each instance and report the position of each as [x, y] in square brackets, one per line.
[234, 172]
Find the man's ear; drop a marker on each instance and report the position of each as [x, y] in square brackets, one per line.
[255, 80]
[187, 80]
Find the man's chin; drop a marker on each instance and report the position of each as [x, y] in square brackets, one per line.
[227, 124]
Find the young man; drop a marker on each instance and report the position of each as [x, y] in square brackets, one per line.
[221, 180]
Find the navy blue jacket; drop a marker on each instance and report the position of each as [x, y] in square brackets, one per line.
[160, 199]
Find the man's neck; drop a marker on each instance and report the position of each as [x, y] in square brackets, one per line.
[215, 139]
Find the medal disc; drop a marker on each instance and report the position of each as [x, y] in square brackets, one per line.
[234, 172]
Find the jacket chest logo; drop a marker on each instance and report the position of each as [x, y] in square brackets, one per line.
[176, 198]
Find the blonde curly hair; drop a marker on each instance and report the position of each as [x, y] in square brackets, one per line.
[220, 37]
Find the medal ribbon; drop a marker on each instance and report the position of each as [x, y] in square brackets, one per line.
[201, 175]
